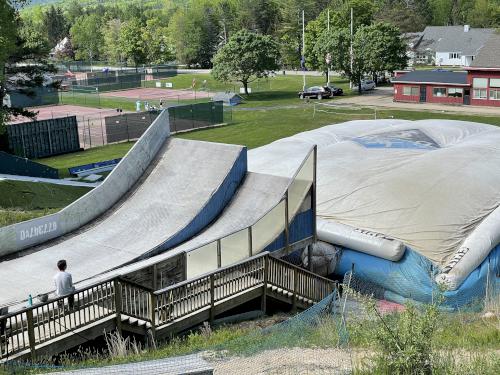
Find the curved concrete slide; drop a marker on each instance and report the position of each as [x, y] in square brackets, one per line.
[256, 196]
[187, 186]
[16, 237]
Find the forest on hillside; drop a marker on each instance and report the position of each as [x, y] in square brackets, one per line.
[192, 31]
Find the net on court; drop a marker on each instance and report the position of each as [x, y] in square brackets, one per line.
[364, 113]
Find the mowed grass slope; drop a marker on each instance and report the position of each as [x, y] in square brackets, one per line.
[22, 200]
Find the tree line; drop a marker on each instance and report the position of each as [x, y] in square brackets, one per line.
[192, 31]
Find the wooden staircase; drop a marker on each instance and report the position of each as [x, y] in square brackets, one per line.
[49, 328]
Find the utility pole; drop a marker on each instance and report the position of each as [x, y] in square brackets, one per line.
[351, 52]
[303, 52]
[328, 60]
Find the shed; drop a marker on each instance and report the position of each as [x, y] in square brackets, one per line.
[228, 98]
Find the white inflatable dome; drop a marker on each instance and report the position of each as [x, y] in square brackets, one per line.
[432, 185]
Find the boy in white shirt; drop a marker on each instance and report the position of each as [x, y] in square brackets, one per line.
[64, 284]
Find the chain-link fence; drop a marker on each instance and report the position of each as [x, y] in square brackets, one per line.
[111, 127]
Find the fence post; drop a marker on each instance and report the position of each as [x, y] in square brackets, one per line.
[118, 304]
[102, 129]
[212, 298]
[90, 137]
[192, 116]
[128, 134]
[287, 224]
[295, 287]
[263, 301]
[31, 333]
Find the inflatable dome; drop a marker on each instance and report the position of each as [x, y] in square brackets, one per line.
[413, 204]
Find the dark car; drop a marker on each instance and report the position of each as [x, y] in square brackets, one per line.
[320, 92]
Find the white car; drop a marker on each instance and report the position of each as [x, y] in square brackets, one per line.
[367, 85]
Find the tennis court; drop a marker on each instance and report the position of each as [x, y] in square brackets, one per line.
[158, 94]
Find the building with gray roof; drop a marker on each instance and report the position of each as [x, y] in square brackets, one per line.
[447, 45]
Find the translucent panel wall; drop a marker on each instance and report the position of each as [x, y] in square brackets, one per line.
[234, 248]
[300, 186]
[268, 228]
[202, 260]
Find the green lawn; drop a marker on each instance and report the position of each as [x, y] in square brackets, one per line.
[22, 200]
[63, 162]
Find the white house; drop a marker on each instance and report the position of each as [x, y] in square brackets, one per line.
[447, 45]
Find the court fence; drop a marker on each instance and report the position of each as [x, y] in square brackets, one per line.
[102, 129]
[38, 139]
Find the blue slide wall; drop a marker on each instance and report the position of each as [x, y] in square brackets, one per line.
[212, 208]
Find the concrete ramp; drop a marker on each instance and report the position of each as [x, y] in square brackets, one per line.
[186, 187]
[257, 195]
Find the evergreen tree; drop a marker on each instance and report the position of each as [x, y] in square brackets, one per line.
[55, 25]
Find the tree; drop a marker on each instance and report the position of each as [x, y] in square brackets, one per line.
[376, 48]
[55, 25]
[246, 57]
[7, 45]
[380, 47]
[336, 42]
[158, 48]
[23, 64]
[195, 32]
[111, 35]
[87, 37]
[131, 42]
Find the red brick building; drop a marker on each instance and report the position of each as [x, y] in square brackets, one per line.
[478, 85]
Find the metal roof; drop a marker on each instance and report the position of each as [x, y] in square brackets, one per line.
[489, 54]
[453, 39]
[433, 76]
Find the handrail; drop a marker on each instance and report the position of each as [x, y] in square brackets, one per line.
[283, 197]
[117, 296]
[303, 270]
[198, 278]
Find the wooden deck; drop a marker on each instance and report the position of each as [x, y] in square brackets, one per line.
[51, 328]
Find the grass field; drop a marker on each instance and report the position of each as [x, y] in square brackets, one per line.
[278, 90]
[272, 112]
[63, 162]
[22, 200]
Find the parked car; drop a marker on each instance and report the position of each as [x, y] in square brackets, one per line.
[367, 85]
[320, 92]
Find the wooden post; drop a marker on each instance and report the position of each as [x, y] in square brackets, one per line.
[212, 298]
[118, 304]
[295, 287]
[263, 302]
[31, 333]
[152, 313]
[154, 273]
[309, 256]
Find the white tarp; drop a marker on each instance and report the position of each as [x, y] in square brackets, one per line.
[428, 183]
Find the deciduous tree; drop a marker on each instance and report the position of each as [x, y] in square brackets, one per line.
[246, 57]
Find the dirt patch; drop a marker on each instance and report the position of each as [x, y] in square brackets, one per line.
[286, 361]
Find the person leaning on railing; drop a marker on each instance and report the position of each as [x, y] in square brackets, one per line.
[64, 285]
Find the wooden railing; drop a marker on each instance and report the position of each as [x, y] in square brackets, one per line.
[298, 281]
[24, 330]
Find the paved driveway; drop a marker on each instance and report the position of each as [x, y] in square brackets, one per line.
[382, 97]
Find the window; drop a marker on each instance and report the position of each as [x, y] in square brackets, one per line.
[439, 91]
[480, 83]
[479, 93]
[411, 91]
[494, 82]
[495, 94]
[455, 93]
[454, 55]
